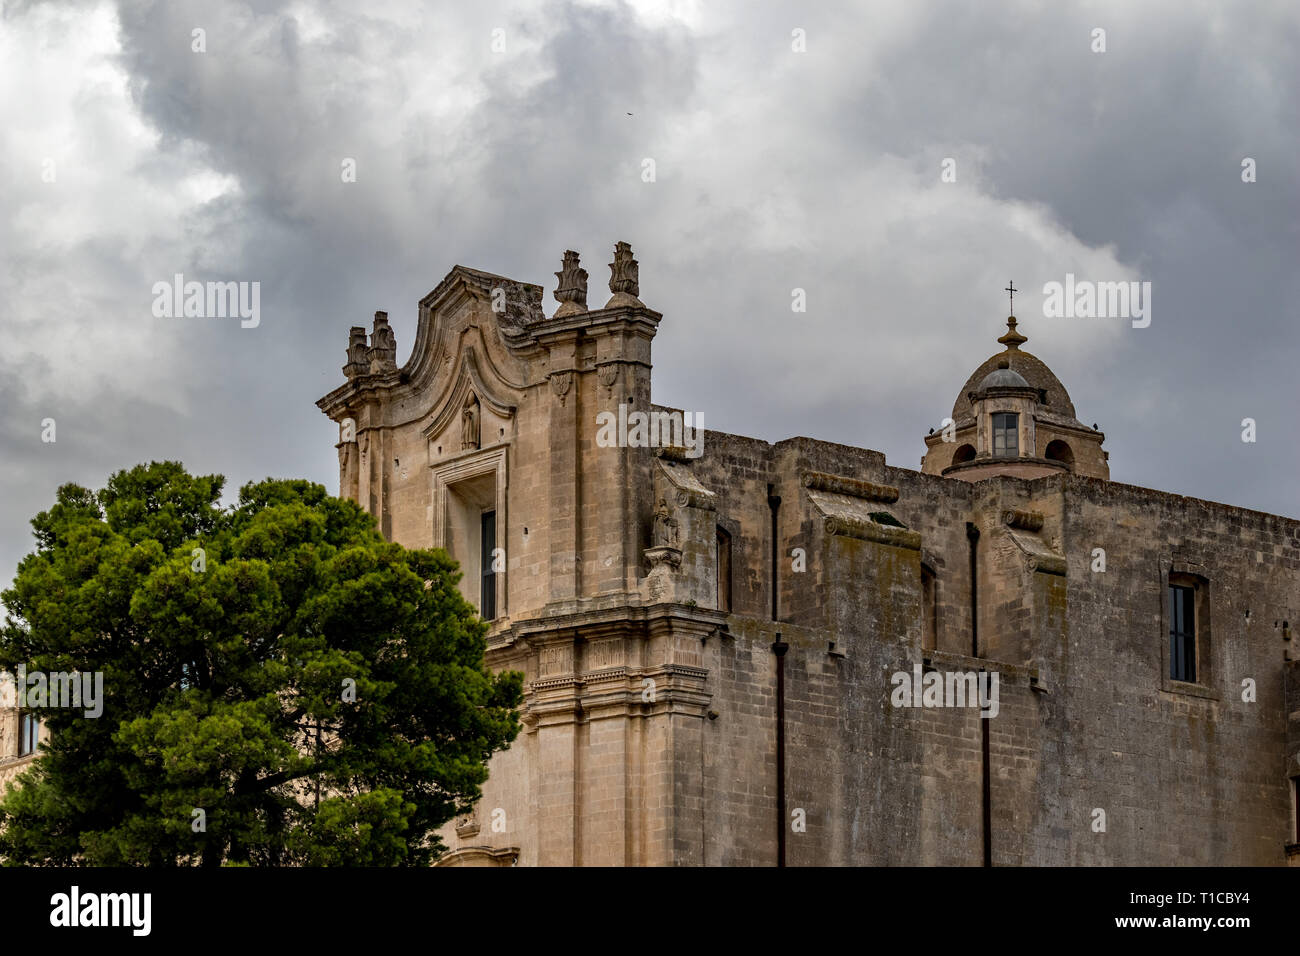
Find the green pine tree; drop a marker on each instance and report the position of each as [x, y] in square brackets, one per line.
[318, 693]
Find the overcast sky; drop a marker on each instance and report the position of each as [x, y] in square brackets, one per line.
[497, 135]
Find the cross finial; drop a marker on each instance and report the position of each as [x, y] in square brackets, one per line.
[1011, 288]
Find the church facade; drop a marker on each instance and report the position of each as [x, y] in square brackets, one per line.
[744, 653]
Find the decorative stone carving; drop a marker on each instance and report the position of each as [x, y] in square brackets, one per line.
[554, 660]
[383, 346]
[469, 422]
[1026, 520]
[607, 375]
[560, 383]
[685, 488]
[358, 357]
[624, 279]
[605, 654]
[572, 290]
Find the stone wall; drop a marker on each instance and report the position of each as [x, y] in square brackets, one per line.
[601, 602]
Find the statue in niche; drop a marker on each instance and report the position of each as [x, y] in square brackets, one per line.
[665, 527]
[469, 423]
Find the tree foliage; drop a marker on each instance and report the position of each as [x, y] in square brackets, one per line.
[226, 676]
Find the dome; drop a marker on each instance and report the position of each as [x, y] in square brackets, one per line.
[1026, 368]
[1004, 377]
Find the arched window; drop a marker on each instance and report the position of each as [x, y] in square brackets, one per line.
[963, 453]
[1058, 450]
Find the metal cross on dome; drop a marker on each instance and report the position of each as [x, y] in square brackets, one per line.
[1011, 288]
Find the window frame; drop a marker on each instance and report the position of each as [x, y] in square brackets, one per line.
[1185, 574]
[467, 466]
[997, 431]
[929, 608]
[1183, 652]
[487, 520]
[24, 716]
[722, 559]
[1295, 811]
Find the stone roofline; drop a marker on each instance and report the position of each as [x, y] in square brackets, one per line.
[520, 320]
[1113, 488]
[410, 376]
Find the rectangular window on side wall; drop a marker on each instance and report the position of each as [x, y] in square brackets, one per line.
[1182, 633]
[929, 609]
[1295, 810]
[724, 570]
[29, 733]
[487, 553]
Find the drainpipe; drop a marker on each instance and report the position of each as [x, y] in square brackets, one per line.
[986, 796]
[779, 648]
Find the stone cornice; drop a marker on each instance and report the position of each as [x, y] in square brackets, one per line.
[853, 487]
[641, 321]
[608, 622]
[988, 460]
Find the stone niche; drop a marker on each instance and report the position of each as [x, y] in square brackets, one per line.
[682, 557]
[1025, 587]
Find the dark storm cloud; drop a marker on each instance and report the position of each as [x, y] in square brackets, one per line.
[775, 170]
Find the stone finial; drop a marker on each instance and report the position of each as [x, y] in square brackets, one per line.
[1013, 339]
[624, 280]
[572, 290]
[358, 362]
[383, 346]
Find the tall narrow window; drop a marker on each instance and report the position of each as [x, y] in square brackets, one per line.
[29, 734]
[487, 546]
[1006, 441]
[724, 570]
[1295, 803]
[1182, 633]
[929, 609]
[468, 507]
